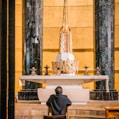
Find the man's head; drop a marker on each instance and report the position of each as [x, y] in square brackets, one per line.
[58, 90]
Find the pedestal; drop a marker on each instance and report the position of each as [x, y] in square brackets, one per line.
[28, 94]
[76, 93]
[101, 94]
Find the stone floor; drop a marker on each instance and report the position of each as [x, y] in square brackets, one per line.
[91, 110]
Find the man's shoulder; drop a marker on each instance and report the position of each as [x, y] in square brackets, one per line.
[52, 95]
[64, 95]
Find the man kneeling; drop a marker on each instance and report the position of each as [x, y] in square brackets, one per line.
[58, 102]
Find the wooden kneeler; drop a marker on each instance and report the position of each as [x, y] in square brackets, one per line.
[55, 117]
[50, 116]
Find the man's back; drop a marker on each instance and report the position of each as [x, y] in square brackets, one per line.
[58, 103]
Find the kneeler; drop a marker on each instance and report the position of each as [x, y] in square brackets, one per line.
[49, 116]
[55, 117]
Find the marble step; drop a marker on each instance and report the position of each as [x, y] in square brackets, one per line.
[26, 111]
[86, 116]
[73, 117]
[92, 110]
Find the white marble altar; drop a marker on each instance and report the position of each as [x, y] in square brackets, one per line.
[71, 85]
[64, 79]
[76, 93]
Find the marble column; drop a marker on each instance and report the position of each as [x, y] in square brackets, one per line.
[33, 38]
[104, 34]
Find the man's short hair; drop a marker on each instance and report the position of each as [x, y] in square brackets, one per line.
[58, 90]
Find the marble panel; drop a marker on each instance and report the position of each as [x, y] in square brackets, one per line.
[48, 58]
[18, 57]
[70, 2]
[85, 58]
[116, 13]
[18, 15]
[82, 38]
[18, 37]
[116, 43]
[18, 44]
[116, 59]
[116, 1]
[51, 38]
[53, 3]
[19, 2]
[77, 16]
[80, 2]
[116, 81]
[52, 16]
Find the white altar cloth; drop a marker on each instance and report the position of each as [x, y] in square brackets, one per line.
[64, 79]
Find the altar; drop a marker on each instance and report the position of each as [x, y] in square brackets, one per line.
[71, 85]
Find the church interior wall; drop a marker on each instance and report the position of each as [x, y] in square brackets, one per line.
[81, 22]
[18, 43]
[116, 44]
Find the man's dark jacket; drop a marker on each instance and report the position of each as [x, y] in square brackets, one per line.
[58, 104]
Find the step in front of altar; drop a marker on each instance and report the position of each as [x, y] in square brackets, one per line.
[76, 93]
[35, 111]
[92, 110]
